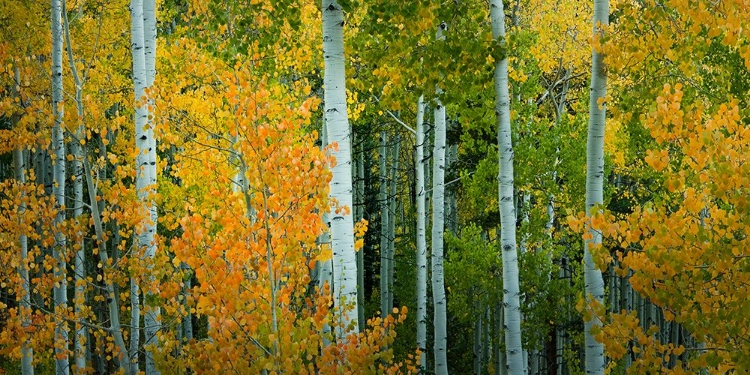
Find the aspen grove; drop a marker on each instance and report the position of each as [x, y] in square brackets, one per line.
[374, 187]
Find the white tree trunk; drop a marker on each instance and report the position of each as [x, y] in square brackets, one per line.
[80, 265]
[152, 324]
[58, 187]
[141, 163]
[77, 150]
[384, 219]
[337, 123]
[511, 293]
[592, 277]
[24, 304]
[392, 221]
[149, 40]
[27, 351]
[238, 180]
[438, 226]
[421, 238]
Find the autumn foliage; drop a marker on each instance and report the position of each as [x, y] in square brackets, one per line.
[685, 251]
[242, 272]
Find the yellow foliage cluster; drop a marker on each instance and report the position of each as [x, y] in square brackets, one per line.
[688, 251]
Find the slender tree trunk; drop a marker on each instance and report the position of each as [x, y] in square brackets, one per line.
[24, 305]
[337, 122]
[511, 292]
[77, 151]
[41, 166]
[524, 205]
[501, 361]
[112, 301]
[392, 222]
[238, 180]
[552, 348]
[627, 302]
[325, 268]
[592, 276]
[141, 162]
[27, 351]
[58, 187]
[100, 356]
[152, 324]
[487, 336]
[438, 227]
[80, 265]
[269, 262]
[421, 238]
[361, 252]
[143, 29]
[478, 337]
[451, 205]
[384, 219]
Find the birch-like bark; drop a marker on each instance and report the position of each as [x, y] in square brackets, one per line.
[337, 122]
[429, 141]
[392, 222]
[24, 304]
[592, 276]
[421, 237]
[384, 219]
[451, 205]
[77, 150]
[438, 227]
[151, 320]
[141, 162]
[58, 188]
[112, 301]
[325, 268]
[361, 253]
[238, 180]
[27, 351]
[511, 292]
[149, 41]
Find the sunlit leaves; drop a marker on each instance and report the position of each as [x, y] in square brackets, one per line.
[686, 249]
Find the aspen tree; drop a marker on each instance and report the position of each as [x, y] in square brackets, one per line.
[509, 251]
[392, 222]
[19, 167]
[361, 253]
[592, 276]
[76, 150]
[438, 226]
[385, 214]
[145, 165]
[339, 139]
[112, 304]
[152, 324]
[421, 236]
[58, 187]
